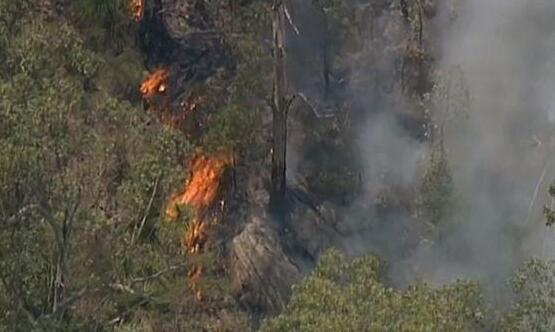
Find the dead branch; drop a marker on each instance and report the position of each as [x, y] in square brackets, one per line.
[158, 274]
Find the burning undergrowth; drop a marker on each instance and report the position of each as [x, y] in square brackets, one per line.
[203, 186]
[154, 84]
[157, 95]
[137, 8]
[204, 194]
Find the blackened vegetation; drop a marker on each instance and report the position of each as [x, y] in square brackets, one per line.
[184, 38]
[153, 38]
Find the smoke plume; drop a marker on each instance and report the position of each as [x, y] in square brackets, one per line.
[500, 153]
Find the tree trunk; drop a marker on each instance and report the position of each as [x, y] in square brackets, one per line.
[404, 9]
[279, 113]
[420, 22]
[325, 44]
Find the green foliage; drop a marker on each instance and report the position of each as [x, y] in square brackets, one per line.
[548, 212]
[448, 101]
[120, 74]
[11, 10]
[348, 296]
[436, 188]
[108, 22]
[534, 306]
[83, 177]
[237, 122]
[234, 128]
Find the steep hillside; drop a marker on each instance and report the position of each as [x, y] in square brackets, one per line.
[193, 165]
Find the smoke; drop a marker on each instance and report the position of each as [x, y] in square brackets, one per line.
[501, 155]
[394, 156]
[498, 155]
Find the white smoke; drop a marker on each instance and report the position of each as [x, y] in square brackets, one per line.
[501, 155]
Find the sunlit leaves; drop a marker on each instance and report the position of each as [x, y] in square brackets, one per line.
[69, 152]
[349, 296]
[534, 307]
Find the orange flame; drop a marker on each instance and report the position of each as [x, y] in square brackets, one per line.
[201, 193]
[195, 236]
[155, 83]
[203, 186]
[137, 9]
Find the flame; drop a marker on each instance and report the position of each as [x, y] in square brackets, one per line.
[203, 186]
[137, 9]
[195, 236]
[203, 189]
[200, 193]
[155, 83]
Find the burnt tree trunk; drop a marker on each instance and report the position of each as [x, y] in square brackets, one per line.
[279, 113]
[325, 49]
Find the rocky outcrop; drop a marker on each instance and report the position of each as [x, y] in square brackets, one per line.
[261, 270]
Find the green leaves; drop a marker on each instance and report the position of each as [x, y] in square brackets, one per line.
[548, 212]
[108, 20]
[436, 188]
[83, 180]
[348, 296]
[534, 306]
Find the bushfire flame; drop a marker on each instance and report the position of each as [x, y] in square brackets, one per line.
[200, 193]
[202, 188]
[137, 9]
[155, 83]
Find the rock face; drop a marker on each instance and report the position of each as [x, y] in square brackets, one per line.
[261, 270]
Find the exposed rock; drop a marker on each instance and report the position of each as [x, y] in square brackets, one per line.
[261, 270]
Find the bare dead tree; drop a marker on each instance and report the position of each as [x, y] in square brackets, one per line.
[325, 46]
[420, 23]
[280, 105]
[404, 9]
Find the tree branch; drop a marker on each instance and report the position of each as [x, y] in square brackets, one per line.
[147, 210]
[158, 274]
[290, 19]
[312, 106]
